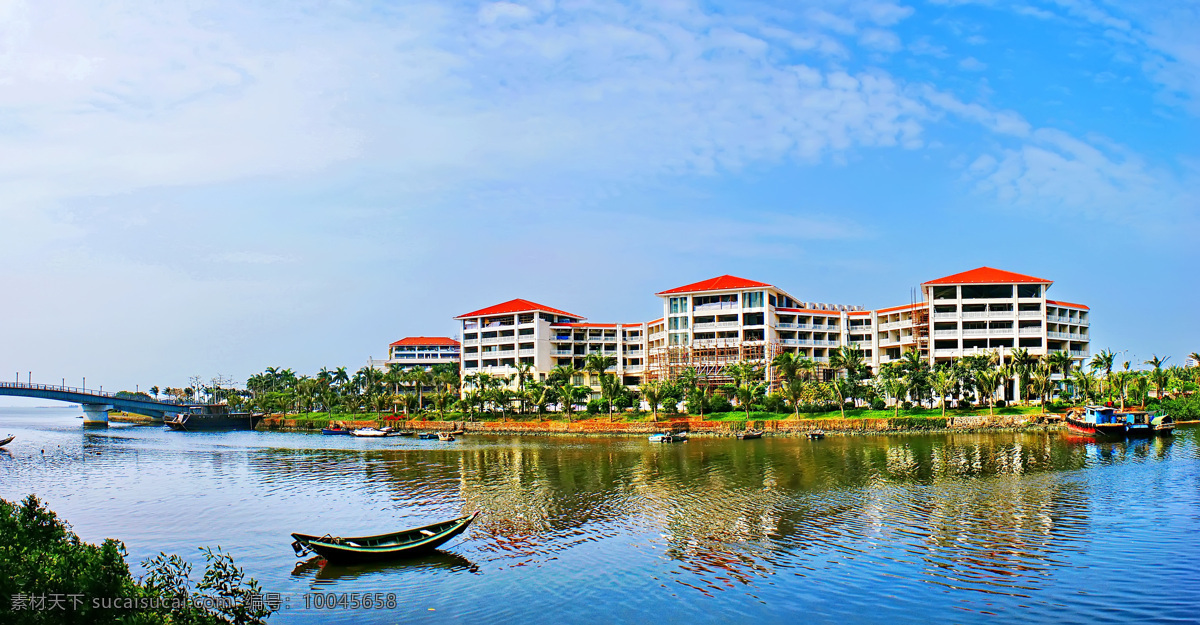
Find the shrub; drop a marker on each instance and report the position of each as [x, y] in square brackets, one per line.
[594, 406]
[1000, 403]
[774, 403]
[907, 405]
[917, 408]
[719, 404]
[670, 406]
[878, 404]
[964, 404]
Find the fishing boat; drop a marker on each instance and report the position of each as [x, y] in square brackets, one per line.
[750, 434]
[1098, 421]
[337, 431]
[369, 432]
[212, 417]
[1163, 425]
[405, 543]
[665, 437]
[427, 436]
[446, 437]
[816, 435]
[405, 433]
[7, 440]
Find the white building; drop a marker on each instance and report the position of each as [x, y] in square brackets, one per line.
[709, 324]
[420, 351]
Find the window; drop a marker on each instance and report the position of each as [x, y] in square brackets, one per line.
[677, 323]
[678, 305]
[678, 339]
[987, 291]
[1029, 290]
[945, 292]
[752, 300]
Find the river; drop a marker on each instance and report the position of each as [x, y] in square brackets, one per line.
[973, 528]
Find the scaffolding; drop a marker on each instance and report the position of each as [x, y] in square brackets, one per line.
[920, 317]
[710, 359]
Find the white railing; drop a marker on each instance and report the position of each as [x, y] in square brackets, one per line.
[785, 325]
[1000, 313]
[975, 332]
[1079, 353]
[945, 332]
[821, 359]
[499, 353]
[1030, 331]
[634, 368]
[717, 306]
[657, 335]
[563, 352]
[498, 339]
[1000, 331]
[470, 341]
[1058, 335]
[974, 314]
[945, 315]
[1029, 314]
[945, 352]
[528, 352]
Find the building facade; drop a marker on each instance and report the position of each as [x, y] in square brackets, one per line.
[710, 324]
[420, 351]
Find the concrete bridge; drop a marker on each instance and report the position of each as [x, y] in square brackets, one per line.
[96, 404]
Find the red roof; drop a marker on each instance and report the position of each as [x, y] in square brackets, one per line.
[1067, 304]
[719, 283]
[426, 340]
[987, 275]
[811, 311]
[515, 306]
[583, 325]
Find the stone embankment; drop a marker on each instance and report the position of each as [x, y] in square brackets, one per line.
[693, 426]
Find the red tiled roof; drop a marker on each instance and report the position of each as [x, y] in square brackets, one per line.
[583, 325]
[906, 306]
[1067, 304]
[426, 340]
[515, 306]
[987, 275]
[719, 283]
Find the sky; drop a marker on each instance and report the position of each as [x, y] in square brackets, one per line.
[204, 188]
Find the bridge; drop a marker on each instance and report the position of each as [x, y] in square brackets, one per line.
[96, 404]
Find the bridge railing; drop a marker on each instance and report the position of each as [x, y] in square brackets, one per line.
[85, 391]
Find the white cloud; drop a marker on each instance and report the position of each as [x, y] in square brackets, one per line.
[972, 64]
[878, 39]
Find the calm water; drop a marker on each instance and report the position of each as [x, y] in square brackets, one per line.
[963, 528]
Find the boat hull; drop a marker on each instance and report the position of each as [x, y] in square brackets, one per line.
[206, 422]
[1105, 430]
[6, 441]
[405, 544]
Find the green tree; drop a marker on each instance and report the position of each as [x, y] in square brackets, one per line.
[1023, 364]
[943, 384]
[1158, 375]
[848, 360]
[652, 392]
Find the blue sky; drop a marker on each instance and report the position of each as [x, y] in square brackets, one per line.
[218, 187]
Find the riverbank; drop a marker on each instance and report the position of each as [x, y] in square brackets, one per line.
[696, 426]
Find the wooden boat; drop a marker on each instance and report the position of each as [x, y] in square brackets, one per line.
[11, 437]
[337, 431]
[678, 437]
[405, 543]
[427, 436]
[1105, 421]
[369, 432]
[816, 434]
[212, 417]
[402, 433]
[445, 437]
[750, 434]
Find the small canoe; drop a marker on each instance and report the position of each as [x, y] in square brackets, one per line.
[750, 435]
[8, 440]
[370, 432]
[401, 433]
[402, 544]
[427, 436]
[445, 437]
[816, 434]
[336, 432]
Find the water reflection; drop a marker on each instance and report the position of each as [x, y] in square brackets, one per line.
[320, 570]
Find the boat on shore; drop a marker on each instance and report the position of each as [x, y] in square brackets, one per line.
[446, 437]
[405, 543]
[336, 431]
[427, 436]
[750, 435]
[1109, 422]
[212, 417]
[8, 440]
[666, 437]
[815, 435]
[370, 432]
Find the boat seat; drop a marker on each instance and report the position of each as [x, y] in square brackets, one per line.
[352, 543]
[427, 532]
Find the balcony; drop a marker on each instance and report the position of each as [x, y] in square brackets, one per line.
[945, 315]
[654, 336]
[821, 359]
[1059, 335]
[563, 352]
[635, 368]
[1031, 331]
[975, 314]
[945, 353]
[975, 332]
[717, 306]
[1079, 353]
[712, 325]
[950, 333]
[1029, 314]
[470, 342]
[528, 352]
[1000, 331]
[498, 339]
[500, 353]
[470, 326]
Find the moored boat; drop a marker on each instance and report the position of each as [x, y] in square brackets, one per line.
[1097, 421]
[816, 434]
[1163, 425]
[445, 437]
[212, 417]
[427, 436]
[8, 440]
[369, 432]
[750, 434]
[405, 543]
[336, 431]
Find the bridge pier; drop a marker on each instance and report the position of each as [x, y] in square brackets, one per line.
[96, 415]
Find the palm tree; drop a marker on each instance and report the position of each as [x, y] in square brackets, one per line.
[746, 392]
[1141, 386]
[598, 363]
[849, 359]
[1041, 384]
[419, 378]
[986, 382]
[1023, 364]
[794, 391]
[1085, 384]
[1158, 375]
[652, 392]
[787, 367]
[943, 383]
[895, 387]
[571, 394]
[524, 371]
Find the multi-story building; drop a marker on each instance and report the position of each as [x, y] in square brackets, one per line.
[710, 324]
[420, 351]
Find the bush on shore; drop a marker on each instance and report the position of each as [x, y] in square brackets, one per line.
[51, 576]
